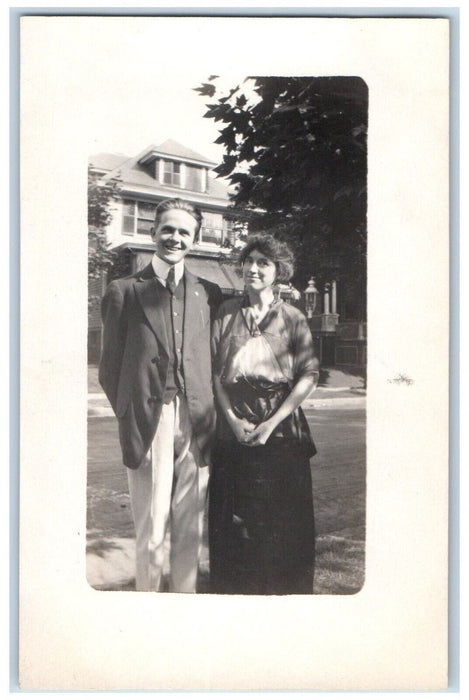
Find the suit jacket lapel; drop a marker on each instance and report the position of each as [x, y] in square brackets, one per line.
[196, 312]
[153, 300]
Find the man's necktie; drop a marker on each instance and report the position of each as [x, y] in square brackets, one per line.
[170, 280]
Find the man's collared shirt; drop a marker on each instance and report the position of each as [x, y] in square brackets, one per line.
[174, 316]
[161, 268]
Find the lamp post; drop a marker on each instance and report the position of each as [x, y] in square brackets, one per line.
[311, 298]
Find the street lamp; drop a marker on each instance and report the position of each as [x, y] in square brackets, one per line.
[311, 298]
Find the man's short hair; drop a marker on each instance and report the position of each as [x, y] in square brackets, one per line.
[177, 203]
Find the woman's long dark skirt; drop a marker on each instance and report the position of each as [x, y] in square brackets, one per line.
[261, 520]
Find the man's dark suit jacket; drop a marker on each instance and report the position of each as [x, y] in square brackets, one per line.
[135, 358]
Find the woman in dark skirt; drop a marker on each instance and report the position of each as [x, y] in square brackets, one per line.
[261, 521]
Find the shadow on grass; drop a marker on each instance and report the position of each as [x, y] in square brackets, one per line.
[340, 567]
[102, 547]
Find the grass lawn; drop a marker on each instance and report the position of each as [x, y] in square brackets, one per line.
[339, 495]
[340, 565]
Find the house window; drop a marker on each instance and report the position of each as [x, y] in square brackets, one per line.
[229, 232]
[146, 217]
[195, 179]
[172, 173]
[212, 229]
[138, 217]
[128, 223]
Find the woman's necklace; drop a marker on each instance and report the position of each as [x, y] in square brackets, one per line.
[260, 304]
[259, 313]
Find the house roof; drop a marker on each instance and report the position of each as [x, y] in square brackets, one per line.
[107, 161]
[174, 148]
[219, 188]
[132, 173]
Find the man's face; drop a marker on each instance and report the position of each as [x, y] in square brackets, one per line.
[174, 235]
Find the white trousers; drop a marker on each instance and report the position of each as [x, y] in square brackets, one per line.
[168, 494]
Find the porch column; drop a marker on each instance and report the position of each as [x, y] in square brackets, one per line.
[326, 298]
[334, 297]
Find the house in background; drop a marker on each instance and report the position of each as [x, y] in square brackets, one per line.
[157, 173]
[339, 339]
[173, 170]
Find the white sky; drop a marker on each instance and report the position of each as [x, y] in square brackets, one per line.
[157, 108]
[140, 80]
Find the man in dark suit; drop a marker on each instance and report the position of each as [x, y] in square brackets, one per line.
[156, 371]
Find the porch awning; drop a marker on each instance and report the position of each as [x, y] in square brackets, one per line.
[226, 274]
[222, 273]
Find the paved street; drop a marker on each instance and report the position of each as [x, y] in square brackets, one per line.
[339, 470]
[338, 481]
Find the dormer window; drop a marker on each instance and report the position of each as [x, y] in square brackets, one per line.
[196, 178]
[172, 173]
[175, 165]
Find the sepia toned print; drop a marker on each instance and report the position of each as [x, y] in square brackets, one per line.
[294, 170]
[377, 616]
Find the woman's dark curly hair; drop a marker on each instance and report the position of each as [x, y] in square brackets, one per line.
[280, 253]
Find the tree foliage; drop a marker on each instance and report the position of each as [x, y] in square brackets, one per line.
[296, 152]
[101, 195]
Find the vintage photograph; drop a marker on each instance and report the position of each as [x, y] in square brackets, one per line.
[227, 344]
[234, 389]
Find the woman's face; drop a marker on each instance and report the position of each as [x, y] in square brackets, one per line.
[259, 272]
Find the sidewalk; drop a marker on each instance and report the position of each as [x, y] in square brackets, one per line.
[336, 389]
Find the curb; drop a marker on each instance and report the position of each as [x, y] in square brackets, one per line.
[342, 402]
[316, 403]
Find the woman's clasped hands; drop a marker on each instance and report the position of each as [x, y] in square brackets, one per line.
[249, 434]
[242, 428]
